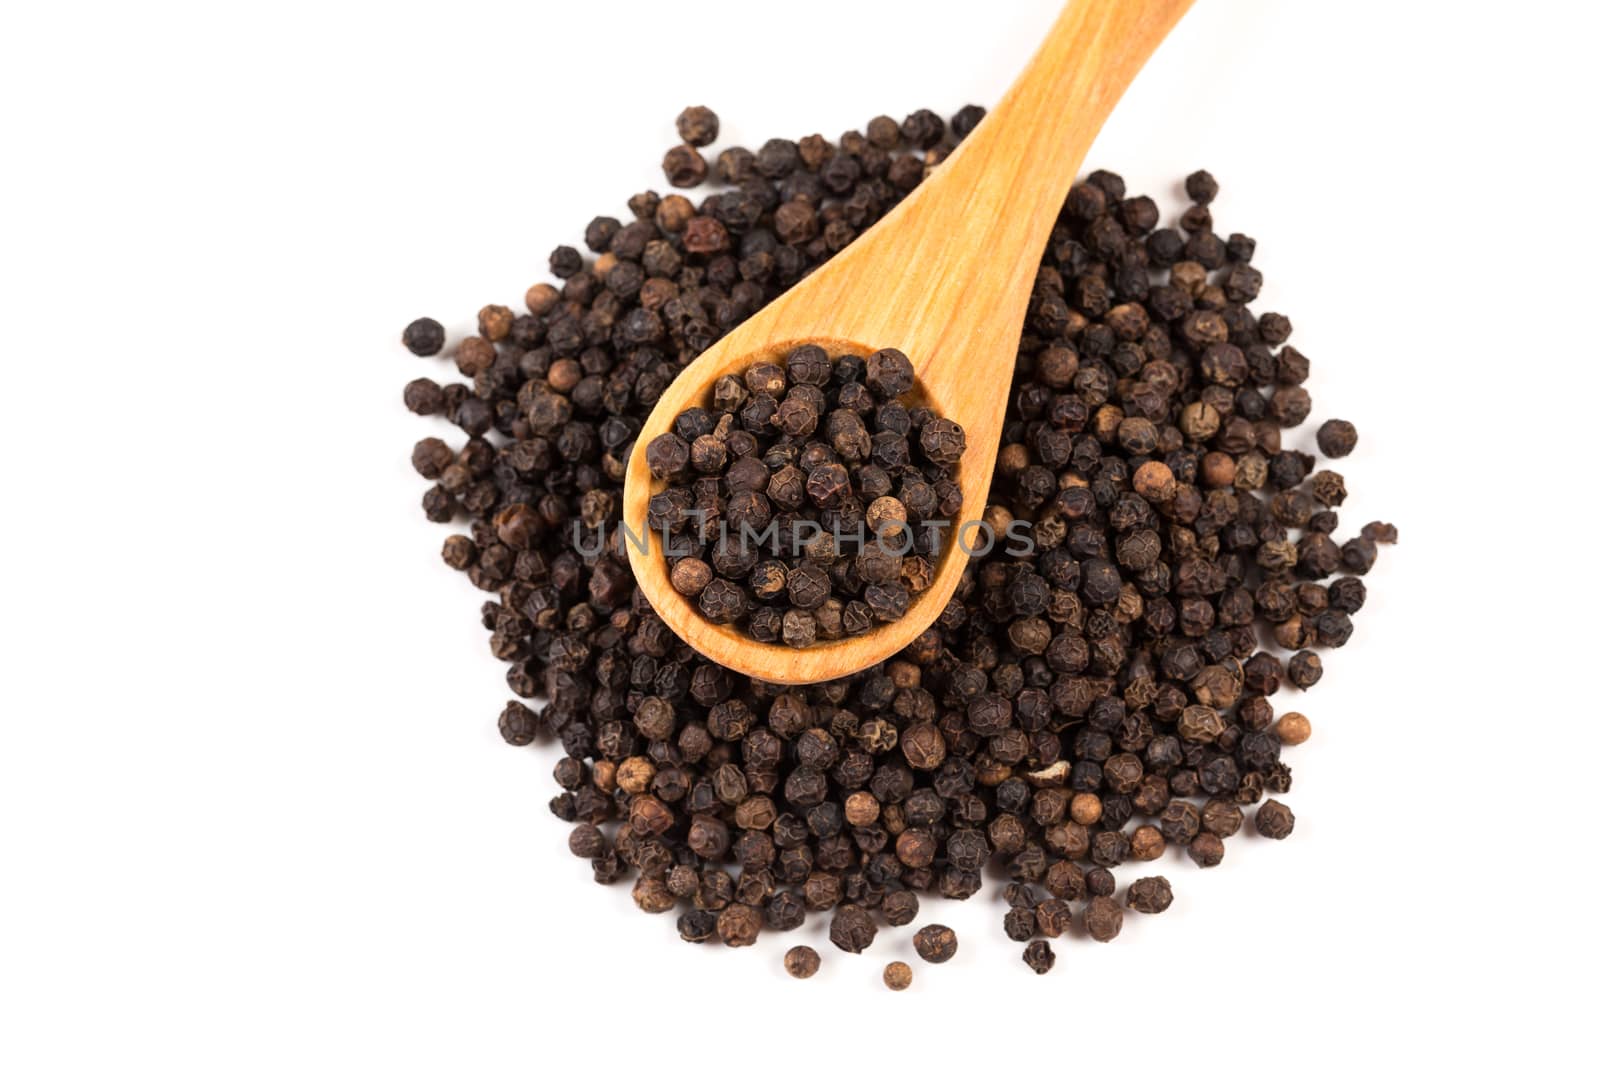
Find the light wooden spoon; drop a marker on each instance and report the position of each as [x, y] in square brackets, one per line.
[945, 277]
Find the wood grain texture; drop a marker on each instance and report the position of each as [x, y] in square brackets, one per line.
[945, 277]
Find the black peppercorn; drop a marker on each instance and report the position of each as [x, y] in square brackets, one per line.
[1336, 438]
[852, 928]
[697, 126]
[519, 724]
[1201, 187]
[1274, 820]
[1152, 896]
[738, 925]
[1206, 849]
[697, 925]
[1019, 924]
[900, 907]
[1081, 702]
[683, 166]
[1102, 917]
[814, 468]
[424, 337]
[935, 943]
[1039, 956]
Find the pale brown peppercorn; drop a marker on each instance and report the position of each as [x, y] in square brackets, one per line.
[635, 774]
[1085, 809]
[494, 322]
[861, 809]
[1147, 843]
[690, 576]
[1293, 728]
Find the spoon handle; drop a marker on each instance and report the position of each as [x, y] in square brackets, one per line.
[945, 276]
[988, 210]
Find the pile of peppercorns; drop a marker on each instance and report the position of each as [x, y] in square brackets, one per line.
[1085, 706]
[783, 512]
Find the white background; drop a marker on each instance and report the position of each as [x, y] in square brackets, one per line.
[253, 807]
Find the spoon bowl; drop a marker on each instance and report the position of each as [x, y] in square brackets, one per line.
[729, 645]
[946, 278]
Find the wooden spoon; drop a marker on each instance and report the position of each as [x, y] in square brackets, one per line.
[945, 277]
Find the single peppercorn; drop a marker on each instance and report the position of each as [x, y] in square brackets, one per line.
[802, 961]
[1274, 820]
[519, 724]
[852, 928]
[431, 457]
[1102, 917]
[1381, 533]
[900, 907]
[1152, 896]
[1206, 849]
[739, 925]
[684, 167]
[1336, 438]
[1146, 843]
[966, 120]
[587, 841]
[424, 337]
[935, 943]
[897, 976]
[424, 396]
[889, 373]
[697, 925]
[1052, 917]
[698, 126]
[1293, 728]
[1039, 956]
[1019, 924]
[690, 576]
[1305, 669]
[1201, 187]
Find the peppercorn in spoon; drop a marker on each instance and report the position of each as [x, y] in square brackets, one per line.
[944, 278]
